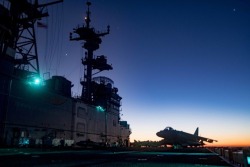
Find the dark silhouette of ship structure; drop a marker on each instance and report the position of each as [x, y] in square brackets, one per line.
[37, 113]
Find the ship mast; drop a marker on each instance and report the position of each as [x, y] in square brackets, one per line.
[92, 41]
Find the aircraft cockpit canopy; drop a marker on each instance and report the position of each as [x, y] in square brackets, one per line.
[168, 128]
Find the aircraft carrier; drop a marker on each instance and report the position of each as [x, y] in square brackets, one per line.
[35, 112]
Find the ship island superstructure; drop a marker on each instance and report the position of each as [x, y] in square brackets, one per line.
[36, 113]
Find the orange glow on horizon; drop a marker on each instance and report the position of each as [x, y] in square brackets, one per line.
[229, 144]
[226, 145]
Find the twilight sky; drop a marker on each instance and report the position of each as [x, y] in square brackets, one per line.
[179, 63]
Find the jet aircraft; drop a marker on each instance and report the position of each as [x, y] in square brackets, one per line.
[182, 139]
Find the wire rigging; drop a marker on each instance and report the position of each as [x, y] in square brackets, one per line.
[54, 40]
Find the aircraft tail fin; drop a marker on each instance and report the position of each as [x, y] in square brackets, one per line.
[196, 133]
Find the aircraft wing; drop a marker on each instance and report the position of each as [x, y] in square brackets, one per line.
[206, 139]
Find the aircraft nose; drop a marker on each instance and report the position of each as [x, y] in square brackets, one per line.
[158, 134]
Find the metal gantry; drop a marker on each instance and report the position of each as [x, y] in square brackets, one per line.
[18, 37]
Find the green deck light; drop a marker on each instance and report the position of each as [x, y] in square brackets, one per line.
[100, 108]
[248, 160]
[35, 81]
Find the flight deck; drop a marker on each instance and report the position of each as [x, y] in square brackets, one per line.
[110, 157]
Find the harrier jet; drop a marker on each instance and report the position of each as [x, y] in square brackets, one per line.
[182, 139]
